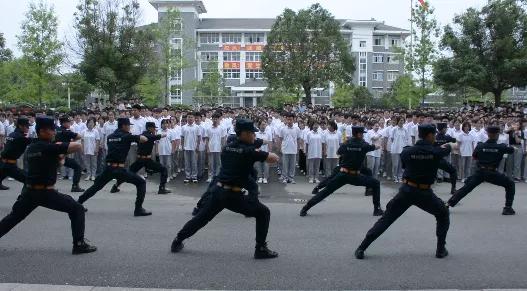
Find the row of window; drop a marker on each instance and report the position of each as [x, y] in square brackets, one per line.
[379, 41]
[235, 74]
[231, 56]
[380, 58]
[214, 38]
[379, 76]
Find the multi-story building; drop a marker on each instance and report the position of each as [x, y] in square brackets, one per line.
[236, 46]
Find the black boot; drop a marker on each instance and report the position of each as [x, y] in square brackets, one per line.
[177, 245]
[303, 211]
[453, 190]
[2, 187]
[315, 190]
[82, 247]
[76, 188]
[195, 211]
[378, 211]
[359, 254]
[163, 190]
[441, 251]
[507, 210]
[263, 252]
[142, 212]
[115, 189]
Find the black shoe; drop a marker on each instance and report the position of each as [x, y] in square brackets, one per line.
[378, 212]
[195, 181]
[453, 191]
[441, 252]
[176, 246]
[142, 212]
[76, 188]
[186, 181]
[263, 252]
[195, 211]
[115, 189]
[82, 247]
[303, 212]
[359, 254]
[163, 190]
[2, 187]
[315, 190]
[508, 211]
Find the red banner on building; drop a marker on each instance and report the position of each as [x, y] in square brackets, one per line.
[232, 47]
[254, 47]
[253, 65]
[231, 65]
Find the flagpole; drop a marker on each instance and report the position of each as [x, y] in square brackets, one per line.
[411, 41]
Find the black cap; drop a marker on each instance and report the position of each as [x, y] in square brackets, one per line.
[123, 121]
[441, 126]
[150, 124]
[493, 129]
[44, 122]
[426, 129]
[22, 121]
[64, 119]
[245, 125]
[357, 129]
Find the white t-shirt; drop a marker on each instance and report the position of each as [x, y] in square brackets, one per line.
[164, 145]
[191, 134]
[176, 133]
[332, 141]
[138, 125]
[466, 146]
[108, 128]
[266, 136]
[399, 138]
[314, 142]
[290, 136]
[215, 136]
[374, 138]
[89, 140]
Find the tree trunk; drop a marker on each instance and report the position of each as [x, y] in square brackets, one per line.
[497, 97]
[307, 92]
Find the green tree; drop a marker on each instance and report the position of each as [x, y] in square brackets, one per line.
[277, 97]
[405, 93]
[306, 49]
[115, 52]
[211, 86]
[487, 49]
[40, 46]
[5, 53]
[347, 95]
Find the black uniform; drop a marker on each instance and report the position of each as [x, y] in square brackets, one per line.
[16, 144]
[237, 162]
[420, 163]
[43, 161]
[444, 165]
[488, 156]
[118, 146]
[144, 160]
[66, 135]
[352, 155]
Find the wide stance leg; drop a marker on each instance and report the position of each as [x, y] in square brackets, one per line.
[503, 181]
[100, 181]
[338, 181]
[64, 203]
[252, 208]
[429, 202]
[23, 206]
[471, 183]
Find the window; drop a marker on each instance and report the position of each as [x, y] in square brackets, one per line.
[175, 52]
[231, 37]
[378, 58]
[231, 73]
[395, 42]
[362, 81]
[392, 59]
[392, 76]
[205, 38]
[175, 92]
[176, 42]
[231, 56]
[362, 43]
[253, 74]
[177, 25]
[362, 67]
[175, 75]
[253, 56]
[209, 56]
[254, 37]
[378, 76]
[378, 41]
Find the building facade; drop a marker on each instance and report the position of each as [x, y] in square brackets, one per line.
[235, 46]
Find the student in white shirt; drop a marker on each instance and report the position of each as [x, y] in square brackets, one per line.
[101, 153]
[214, 140]
[262, 167]
[399, 139]
[387, 148]
[190, 138]
[290, 139]
[164, 147]
[178, 163]
[138, 125]
[466, 148]
[313, 144]
[90, 144]
[331, 144]
[301, 157]
[373, 158]
[504, 139]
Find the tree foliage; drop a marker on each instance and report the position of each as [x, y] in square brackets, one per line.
[5, 53]
[487, 49]
[306, 49]
[347, 95]
[211, 86]
[278, 97]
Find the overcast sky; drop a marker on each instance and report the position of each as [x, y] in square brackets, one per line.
[392, 12]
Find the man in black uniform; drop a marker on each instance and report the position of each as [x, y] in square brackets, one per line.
[420, 163]
[64, 134]
[118, 147]
[352, 154]
[488, 156]
[144, 159]
[441, 139]
[43, 160]
[15, 146]
[237, 162]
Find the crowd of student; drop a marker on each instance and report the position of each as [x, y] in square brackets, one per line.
[307, 138]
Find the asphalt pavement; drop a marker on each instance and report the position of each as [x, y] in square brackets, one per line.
[487, 250]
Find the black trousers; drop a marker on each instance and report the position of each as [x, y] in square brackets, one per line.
[149, 165]
[29, 200]
[11, 170]
[408, 196]
[120, 174]
[234, 201]
[364, 171]
[481, 176]
[72, 164]
[340, 179]
[452, 172]
[302, 161]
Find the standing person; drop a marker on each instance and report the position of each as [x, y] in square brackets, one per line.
[90, 144]
[190, 138]
[137, 123]
[43, 160]
[488, 156]
[420, 162]
[373, 158]
[313, 144]
[387, 149]
[177, 149]
[267, 138]
[16, 144]
[289, 143]
[399, 139]
[331, 143]
[214, 139]
[164, 146]
[352, 155]
[466, 148]
[201, 153]
[64, 134]
[118, 146]
[101, 154]
[144, 159]
[447, 170]
[516, 139]
[238, 160]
